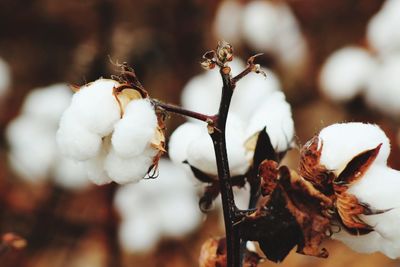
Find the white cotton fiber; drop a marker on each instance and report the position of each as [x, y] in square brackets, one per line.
[140, 233]
[70, 174]
[274, 114]
[383, 90]
[126, 170]
[74, 140]
[48, 103]
[251, 91]
[135, 130]
[97, 107]
[181, 138]
[260, 27]
[343, 141]
[228, 21]
[383, 29]
[32, 147]
[164, 206]
[5, 77]
[345, 73]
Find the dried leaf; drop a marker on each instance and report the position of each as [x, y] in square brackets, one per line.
[213, 253]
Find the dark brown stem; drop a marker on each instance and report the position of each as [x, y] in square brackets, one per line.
[228, 202]
[184, 112]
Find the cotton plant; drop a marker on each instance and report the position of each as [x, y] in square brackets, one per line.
[265, 26]
[33, 153]
[235, 138]
[368, 72]
[150, 210]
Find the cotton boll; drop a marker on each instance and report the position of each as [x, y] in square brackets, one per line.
[74, 140]
[203, 92]
[32, 148]
[127, 170]
[135, 130]
[343, 141]
[368, 243]
[383, 90]
[181, 138]
[274, 114]
[200, 154]
[251, 91]
[382, 30]
[95, 166]
[140, 233]
[5, 77]
[48, 103]
[346, 73]
[228, 21]
[96, 106]
[180, 215]
[260, 27]
[70, 174]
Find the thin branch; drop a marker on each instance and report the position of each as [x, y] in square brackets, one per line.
[184, 112]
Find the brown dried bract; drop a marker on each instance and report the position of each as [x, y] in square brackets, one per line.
[213, 253]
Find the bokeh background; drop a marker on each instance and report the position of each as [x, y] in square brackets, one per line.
[48, 41]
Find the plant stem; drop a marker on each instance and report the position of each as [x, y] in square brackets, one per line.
[184, 112]
[228, 202]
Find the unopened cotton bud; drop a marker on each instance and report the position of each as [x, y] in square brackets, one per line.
[346, 73]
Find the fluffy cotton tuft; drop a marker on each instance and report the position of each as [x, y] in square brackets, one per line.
[382, 30]
[32, 138]
[276, 116]
[343, 141]
[165, 206]
[345, 73]
[135, 130]
[113, 148]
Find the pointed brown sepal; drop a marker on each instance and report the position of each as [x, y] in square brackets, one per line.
[356, 168]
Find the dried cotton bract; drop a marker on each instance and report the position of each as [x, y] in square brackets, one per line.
[352, 158]
[113, 129]
[32, 138]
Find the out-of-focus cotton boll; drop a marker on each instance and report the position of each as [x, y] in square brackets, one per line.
[275, 114]
[200, 152]
[383, 29]
[345, 73]
[139, 234]
[48, 103]
[251, 91]
[97, 107]
[343, 141]
[165, 206]
[203, 92]
[181, 138]
[261, 20]
[34, 154]
[135, 130]
[383, 90]
[5, 77]
[228, 21]
[70, 174]
[32, 147]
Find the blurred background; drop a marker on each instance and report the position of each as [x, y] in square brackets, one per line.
[336, 61]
